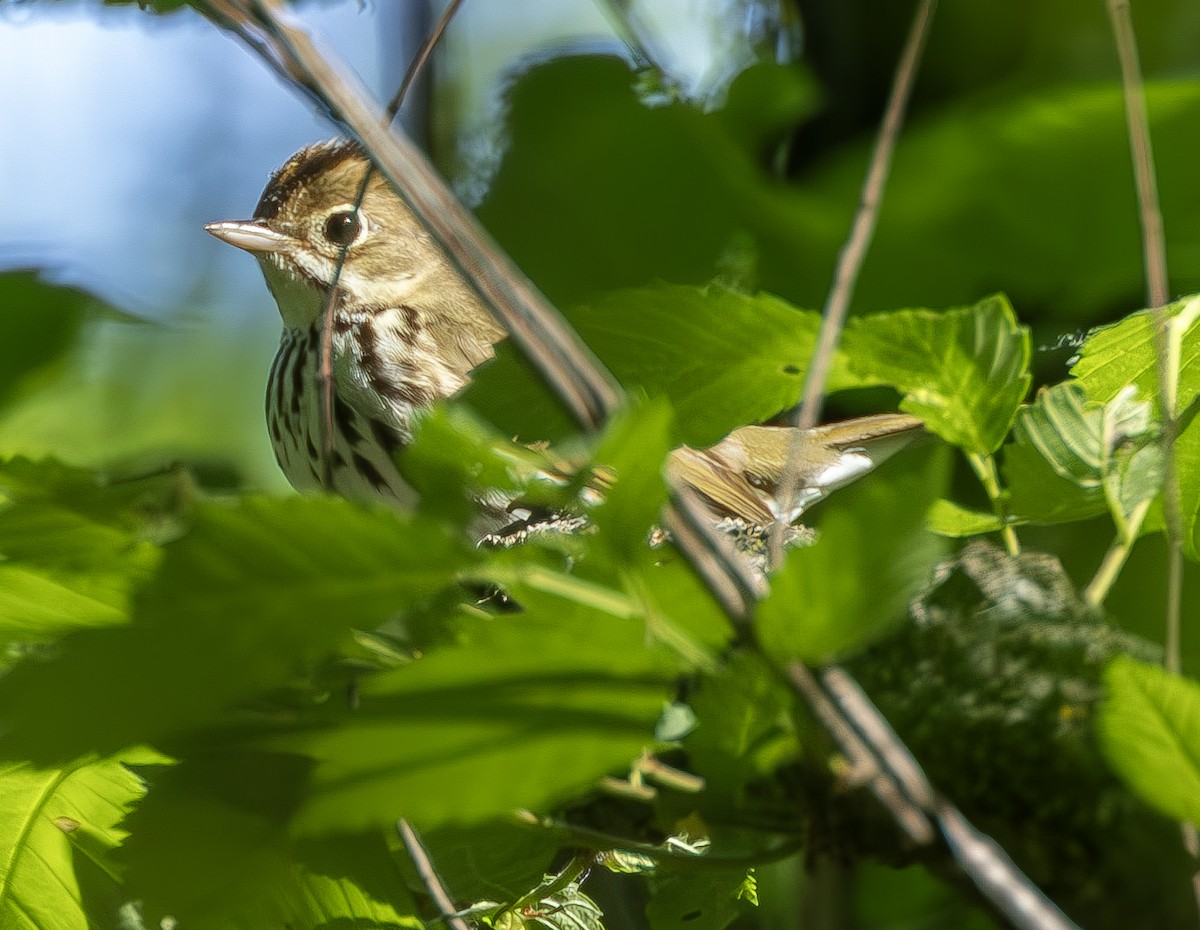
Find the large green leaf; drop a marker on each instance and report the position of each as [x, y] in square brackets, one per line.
[722, 358]
[1149, 727]
[73, 549]
[533, 709]
[58, 828]
[964, 372]
[247, 598]
[209, 847]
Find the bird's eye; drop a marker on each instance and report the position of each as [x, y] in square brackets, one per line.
[343, 227]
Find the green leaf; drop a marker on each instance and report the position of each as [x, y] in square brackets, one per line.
[1097, 454]
[963, 372]
[139, 397]
[73, 551]
[872, 553]
[981, 185]
[534, 709]
[743, 732]
[209, 847]
[454, 459]
[1149, 729]
[1114, 357]
[40, 322]
[705, 899]
[58, 828]
[633, 450]
[498, 860]
[722, 359]
[244, 601]
[947, 518]
[1187, 464]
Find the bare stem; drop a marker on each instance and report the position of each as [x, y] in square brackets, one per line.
[984, 467]
[428, 874]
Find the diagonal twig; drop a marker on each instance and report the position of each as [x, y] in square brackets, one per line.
[428, 874]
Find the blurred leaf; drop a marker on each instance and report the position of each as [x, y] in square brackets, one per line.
[872, 553]
[59, 828]
[140, 397]
[501, 860]
[963, 372]
[73, 551]
[534, 709]
[241, 603]
[1149, 728]
[39, 323]
[1003, 184]
[633, 450]
[743, 732]
[455, 459]
[705, 899]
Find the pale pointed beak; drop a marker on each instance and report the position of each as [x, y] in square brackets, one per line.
[254, 236]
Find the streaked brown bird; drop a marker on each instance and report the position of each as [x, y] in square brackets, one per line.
[407, 331]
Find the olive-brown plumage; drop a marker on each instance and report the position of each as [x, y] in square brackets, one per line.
[406, 329]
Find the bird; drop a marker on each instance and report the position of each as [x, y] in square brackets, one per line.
[407, 331]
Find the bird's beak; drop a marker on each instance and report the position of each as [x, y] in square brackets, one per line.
[255, 236]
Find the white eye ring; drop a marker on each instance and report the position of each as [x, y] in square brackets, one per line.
[344, 226]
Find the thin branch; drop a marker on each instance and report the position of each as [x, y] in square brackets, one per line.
[727, 573]
[1154, 240]
[865, 767]
[854, 252]
[428, 874]
[325, 369]
[421, 58]
[1158, 291]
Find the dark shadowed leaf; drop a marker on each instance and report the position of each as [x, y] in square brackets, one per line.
[243, 602]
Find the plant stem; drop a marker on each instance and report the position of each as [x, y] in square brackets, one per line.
[985, 469]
